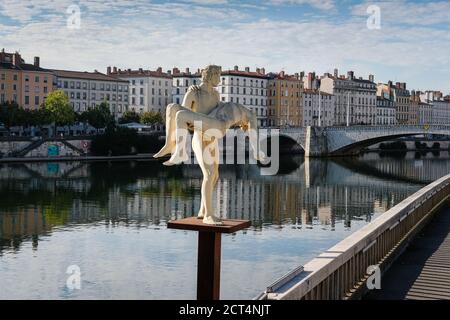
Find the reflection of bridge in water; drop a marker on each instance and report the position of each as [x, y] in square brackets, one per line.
[312, 192]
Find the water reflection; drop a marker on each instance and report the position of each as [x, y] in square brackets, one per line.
[330, 198]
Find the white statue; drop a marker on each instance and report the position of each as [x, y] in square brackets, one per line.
[202, 112]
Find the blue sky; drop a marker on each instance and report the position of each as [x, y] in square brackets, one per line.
[412, 44]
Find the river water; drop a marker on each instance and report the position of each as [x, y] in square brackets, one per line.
[109, 220]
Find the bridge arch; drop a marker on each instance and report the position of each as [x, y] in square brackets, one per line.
[287, 144]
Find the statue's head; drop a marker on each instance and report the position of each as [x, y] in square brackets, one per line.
[211, 75]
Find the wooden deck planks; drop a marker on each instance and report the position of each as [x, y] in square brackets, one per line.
[423, 271]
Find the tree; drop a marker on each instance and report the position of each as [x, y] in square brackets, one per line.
[11, 115]
[99, 117]
[59, 109]
[130, 116]
[151, 117]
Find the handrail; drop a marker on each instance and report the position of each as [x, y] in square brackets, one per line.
[342, 270]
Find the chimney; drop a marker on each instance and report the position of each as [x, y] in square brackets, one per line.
[16, 59]
[397, 84]
[336, 73]
[141, 71]
[296, 75]
[236, 68]
[175, 70]
[258, 70]
[187, 71]
[282, 74]
[371, 78]
[159, 70]
[247, 69]
[263, 71]
[115, 69]
[129, 70]
[351, 75]
[36, 62]
[108, 70]
[169, 72]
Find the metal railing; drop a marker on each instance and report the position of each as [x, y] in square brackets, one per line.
[341, 272]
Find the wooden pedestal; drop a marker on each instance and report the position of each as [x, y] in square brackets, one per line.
[209, 251]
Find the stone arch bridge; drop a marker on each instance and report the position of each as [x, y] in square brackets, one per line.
[342, 141]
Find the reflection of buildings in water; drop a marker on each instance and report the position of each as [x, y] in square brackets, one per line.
[320, 193]
[426, 168]
[22, 224]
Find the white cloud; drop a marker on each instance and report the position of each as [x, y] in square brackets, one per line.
[169, 35]
[411, 13]
[320, 4]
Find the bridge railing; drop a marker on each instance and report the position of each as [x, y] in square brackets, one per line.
[342, 271]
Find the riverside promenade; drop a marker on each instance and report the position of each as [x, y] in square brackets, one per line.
[343, 271]
[422, 272]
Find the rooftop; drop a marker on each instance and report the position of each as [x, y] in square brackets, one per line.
[128, 73]
[85, 75]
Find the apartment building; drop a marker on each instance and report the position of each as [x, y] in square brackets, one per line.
[26, 84]
[148, 90]
[386, 111]
[284, 101]
[181, 81]
[88, 89]
[355, 98]
[248, 88]
[440, 106]
[402, 99]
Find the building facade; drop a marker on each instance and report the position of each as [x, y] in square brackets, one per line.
[425, 113]
[386, 111]
[318, 108]
[88, 89]
[148, 90]
[413, 111]
[355, 98]
[248, 88]
[26, 84]
[402, 99]
[182, 81]
[284, 101]
[440, 106]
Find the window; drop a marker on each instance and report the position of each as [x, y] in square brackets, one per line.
[27, 100]
[36, 100]
[27, 78]
[36, 79]
[15, 77]
[3, 76]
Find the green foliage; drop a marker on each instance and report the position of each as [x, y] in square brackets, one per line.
[130, 116]
[59, 109]
[11, 114]
[151, 117]
[99, 117]
[124, 141]
[396, 145]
